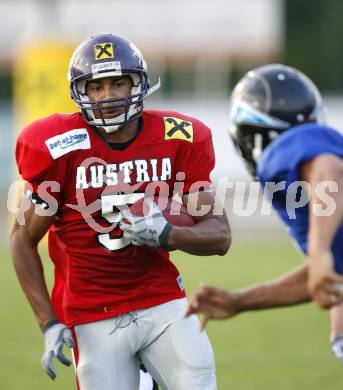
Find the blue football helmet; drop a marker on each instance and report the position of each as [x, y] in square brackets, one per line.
[267, 101]
[107, 55]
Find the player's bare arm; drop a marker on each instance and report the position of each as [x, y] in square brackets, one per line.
[216, 303]
[210, 235]
[323, 283]
[29, 269]
[28, 264]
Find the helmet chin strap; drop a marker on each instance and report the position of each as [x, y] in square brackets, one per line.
[154, 88]
[112, 129]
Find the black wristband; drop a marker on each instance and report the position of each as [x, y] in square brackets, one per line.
[337, 337]
[50, 324]
[163, 238]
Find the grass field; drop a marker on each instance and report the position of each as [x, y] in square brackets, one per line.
[278, 349]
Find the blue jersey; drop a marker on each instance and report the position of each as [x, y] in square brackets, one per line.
[281, 161]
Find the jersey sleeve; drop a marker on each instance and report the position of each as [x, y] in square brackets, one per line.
[198, 162]
[282, 159]
[37, 167]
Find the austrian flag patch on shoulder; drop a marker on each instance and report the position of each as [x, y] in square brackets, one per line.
[62, 144]
[176, 128]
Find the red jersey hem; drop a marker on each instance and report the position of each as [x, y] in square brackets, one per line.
[113, 313]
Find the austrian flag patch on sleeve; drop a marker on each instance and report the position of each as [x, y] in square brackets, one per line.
[62, 144]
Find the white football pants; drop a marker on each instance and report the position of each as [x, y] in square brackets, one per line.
[171, 347]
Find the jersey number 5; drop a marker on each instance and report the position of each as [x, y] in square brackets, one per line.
[110, 211]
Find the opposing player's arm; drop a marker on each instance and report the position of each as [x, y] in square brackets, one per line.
[210, 235]
[27, 261]
[217, 303]
[320, 172]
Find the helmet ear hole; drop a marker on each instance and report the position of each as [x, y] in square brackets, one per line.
[81, 86]
[135, 79]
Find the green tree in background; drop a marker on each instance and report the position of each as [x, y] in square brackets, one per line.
[314, 40]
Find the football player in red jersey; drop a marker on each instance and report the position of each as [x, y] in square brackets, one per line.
[117, 297]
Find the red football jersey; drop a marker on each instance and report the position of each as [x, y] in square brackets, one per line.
[99, 273]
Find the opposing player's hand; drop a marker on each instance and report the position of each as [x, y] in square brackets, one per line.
[324, 285]
[212, 303]
[151, 230]
[337, 347]
[55, 335]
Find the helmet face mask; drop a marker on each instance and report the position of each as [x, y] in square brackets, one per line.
[108, 55]
[268, 101]
[95, 110]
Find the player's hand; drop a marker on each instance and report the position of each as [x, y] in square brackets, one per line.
[151, 230]
[55, 335]
[337, 347]
[324, 284]
[212, 303]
